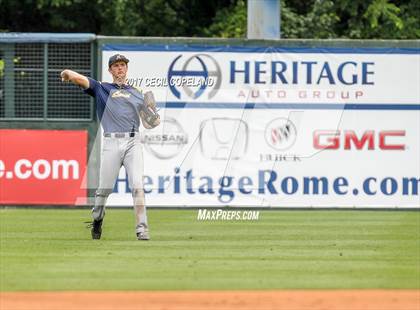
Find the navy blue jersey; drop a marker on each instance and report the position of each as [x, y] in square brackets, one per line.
[117, 107]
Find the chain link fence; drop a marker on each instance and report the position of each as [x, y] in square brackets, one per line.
[30, 85]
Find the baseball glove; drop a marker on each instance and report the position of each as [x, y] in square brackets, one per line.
[148, 113]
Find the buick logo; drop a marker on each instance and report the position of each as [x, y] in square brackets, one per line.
[166, 140]
[280, 134]
[199, 67]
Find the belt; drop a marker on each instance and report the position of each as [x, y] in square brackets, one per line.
[119, 134]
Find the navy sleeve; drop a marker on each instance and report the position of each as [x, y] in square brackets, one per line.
[93, 87]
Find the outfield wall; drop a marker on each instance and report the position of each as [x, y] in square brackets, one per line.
[278, 126]
[42, 166]
[282, 123]
[46, 127]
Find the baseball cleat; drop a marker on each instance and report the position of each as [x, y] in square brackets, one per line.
[143, 235]
[96, 229]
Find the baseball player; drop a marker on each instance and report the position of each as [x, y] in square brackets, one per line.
[119, 107]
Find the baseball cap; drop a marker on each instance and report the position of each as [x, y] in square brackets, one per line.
[115, 58]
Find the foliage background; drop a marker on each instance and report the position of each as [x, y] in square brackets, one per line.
[315, 19]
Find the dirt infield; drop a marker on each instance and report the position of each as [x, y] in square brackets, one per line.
[206, 300]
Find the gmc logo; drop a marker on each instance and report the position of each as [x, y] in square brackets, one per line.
[333, 139]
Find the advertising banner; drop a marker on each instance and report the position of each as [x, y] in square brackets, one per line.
[42, 166]
[278, 127]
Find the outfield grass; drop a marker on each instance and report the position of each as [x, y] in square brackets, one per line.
[52, 250]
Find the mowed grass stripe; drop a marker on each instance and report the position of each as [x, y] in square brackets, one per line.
[43, 249]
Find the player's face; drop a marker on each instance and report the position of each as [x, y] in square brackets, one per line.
[118, 70]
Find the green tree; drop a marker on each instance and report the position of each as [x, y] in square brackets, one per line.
[356, 19]
[370, 19]
[229, 22]
[318, 23]
[1, 68]
[110, 17]
[320, 19]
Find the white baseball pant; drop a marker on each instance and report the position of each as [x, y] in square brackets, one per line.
[116, 152]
